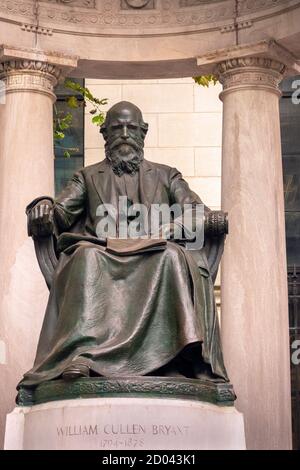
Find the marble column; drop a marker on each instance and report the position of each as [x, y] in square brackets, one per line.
[26, 171]
[255, 326]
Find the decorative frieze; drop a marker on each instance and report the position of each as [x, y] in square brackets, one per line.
[138, 14]
[219, 393]
[192, 3]
[145, 14]
[74, 3]
[249, 6]
[29, 65]
[243, 62]
[243, 6]
[17, 8]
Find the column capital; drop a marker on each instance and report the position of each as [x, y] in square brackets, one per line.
[258, 73]
[29, 75]
[27, 70]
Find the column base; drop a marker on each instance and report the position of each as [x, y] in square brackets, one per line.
[125, 424]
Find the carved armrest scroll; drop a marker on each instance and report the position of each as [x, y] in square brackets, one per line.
[216, 224]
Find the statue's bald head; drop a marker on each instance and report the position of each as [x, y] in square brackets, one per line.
[124, 112]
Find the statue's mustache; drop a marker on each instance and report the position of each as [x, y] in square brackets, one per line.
[137, 145]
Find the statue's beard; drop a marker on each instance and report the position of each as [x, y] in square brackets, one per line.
[124, 157]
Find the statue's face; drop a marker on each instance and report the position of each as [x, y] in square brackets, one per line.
[125, 137]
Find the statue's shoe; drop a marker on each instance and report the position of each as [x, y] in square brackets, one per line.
[75, 371]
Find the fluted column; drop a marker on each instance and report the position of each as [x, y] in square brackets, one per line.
[255, 326]
[26, 171]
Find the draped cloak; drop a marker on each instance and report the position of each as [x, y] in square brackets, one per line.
[123, 315]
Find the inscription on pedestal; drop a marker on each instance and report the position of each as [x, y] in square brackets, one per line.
[125, 424]
[121, 435]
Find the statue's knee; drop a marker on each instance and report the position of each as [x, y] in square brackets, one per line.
[173, 253]
[86, 251]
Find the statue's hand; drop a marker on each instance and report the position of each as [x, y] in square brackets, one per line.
[40, 219]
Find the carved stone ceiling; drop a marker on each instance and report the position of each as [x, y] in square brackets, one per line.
[75, 3]
[137, 4]
[141, 17]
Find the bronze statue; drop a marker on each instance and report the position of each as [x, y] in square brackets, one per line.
[128, 309]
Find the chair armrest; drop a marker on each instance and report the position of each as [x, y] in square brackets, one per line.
[216, 229]
[46, 256]
[44, 245]
[216, 224]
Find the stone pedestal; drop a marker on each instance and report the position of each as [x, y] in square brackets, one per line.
[125, 424]
[254, 280]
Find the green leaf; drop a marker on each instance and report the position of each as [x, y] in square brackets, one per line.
[68, 117]
[58, 135]
[67, 154]
[87, 94]
[72, 102]
[62, 122]
[63, 126]
[206, 80]
[102, 102]
[65, 122]
[97, 120]
[72, 85]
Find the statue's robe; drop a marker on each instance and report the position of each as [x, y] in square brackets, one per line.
[124, 315]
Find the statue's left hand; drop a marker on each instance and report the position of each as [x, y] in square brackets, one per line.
[40, 219]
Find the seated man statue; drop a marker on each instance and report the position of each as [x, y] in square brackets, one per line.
[124, 307]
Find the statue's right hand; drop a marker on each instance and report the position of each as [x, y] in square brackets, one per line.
[40, 219]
